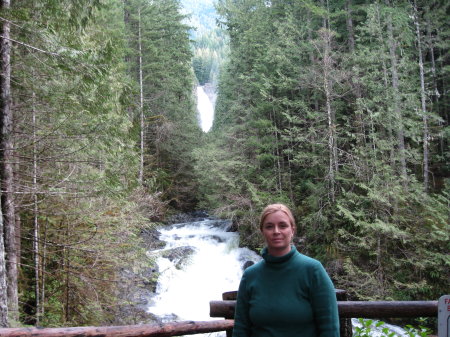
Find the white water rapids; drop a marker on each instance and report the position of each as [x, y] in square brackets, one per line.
[202, 260]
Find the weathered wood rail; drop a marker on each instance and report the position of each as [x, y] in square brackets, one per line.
[354, 309]
[225, 309]
[145, 330]
[347, 309]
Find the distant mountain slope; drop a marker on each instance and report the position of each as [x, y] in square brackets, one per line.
[203, 15]
[210, 43]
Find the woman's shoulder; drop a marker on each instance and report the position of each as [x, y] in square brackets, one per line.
[307, 261]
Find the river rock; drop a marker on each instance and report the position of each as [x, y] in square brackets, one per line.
[226, 224]
[134, 291]
[218, 238]
[137, 285]
[151, 239]
[178, 255]
[193, 216]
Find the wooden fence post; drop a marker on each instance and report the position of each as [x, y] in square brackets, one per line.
[229, 296]
[345, 323]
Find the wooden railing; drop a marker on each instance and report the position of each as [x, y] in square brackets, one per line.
[354, 309]
[145, 330]
[225, 309]
[347, 309]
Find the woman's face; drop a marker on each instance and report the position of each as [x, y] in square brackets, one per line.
[278, 233]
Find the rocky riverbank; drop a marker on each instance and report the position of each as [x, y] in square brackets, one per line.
[138, 285]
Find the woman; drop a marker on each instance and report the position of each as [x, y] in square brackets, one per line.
[287, 294]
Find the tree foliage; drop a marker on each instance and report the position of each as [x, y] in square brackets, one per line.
[79, 207]
[320, 107]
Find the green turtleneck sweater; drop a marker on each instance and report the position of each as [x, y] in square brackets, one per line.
[286, 296]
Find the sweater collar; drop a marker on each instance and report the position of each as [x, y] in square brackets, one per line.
[277, 259]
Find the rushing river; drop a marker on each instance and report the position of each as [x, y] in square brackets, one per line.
[202, 260]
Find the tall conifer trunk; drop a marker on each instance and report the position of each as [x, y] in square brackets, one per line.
[331, 117]
[43, 269]
[277, 164]
[396, 99]
[66, 267]
[390, 125]
[6, 169]
[141, 102]
[35, 219]
[312, 58]
[357, 87]
[349, 21]
[430, 43]
[423, 101]
[431, 52]
[3, 291]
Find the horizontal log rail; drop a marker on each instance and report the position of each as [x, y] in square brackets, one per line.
[354, 309]
[388, 309]
[145, 330]
[225, 309]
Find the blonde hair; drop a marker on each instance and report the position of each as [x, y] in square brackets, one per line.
[275, 208]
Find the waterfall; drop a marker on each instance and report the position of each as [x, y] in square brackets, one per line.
[205, 108]
[200, 261]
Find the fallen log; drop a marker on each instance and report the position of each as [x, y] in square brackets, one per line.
[145, 330]
[354, 309]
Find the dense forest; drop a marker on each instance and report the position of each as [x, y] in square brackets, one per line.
[337, 108]
[340, 110]
[98, 127]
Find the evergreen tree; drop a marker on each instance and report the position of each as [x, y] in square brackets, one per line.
[6, 168]
[171, 125]
[321, 105]
[75, 165]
